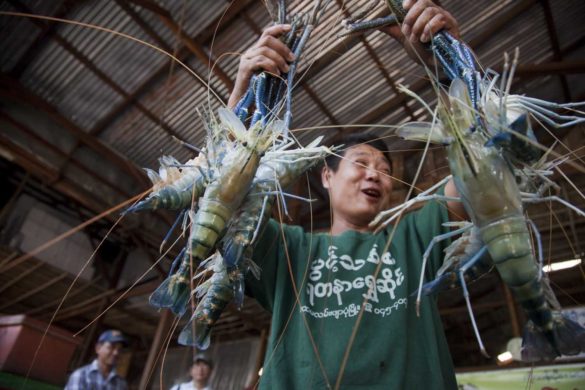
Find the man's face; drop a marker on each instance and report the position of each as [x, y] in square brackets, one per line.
[361, 187]
[200, 372]
[108, 353]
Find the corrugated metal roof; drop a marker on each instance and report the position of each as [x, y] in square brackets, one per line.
[130, 98]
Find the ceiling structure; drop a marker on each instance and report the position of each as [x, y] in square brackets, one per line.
[90, 93]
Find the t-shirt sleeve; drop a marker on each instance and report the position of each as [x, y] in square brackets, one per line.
[270, 255]
[428, 223]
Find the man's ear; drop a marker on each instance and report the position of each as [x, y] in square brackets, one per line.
[325, 175]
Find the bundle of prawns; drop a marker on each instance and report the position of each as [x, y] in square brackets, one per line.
[227, 191]
[489, 140]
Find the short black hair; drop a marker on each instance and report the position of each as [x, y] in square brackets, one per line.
[332, 161]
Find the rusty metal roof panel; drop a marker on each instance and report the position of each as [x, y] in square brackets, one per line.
[565, 14]
[14, 42]
[193, 16]
[114, 55]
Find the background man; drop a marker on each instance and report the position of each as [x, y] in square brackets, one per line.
[101, 373]
[200, 374]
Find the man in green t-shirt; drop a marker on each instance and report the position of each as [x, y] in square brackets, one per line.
[342, 315]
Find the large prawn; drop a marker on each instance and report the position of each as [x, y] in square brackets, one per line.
[488, 188]
[486, 130]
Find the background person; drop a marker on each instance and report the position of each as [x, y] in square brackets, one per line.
[200, 374]
[101, 373]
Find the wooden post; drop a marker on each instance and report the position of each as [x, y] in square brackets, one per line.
[159, 337]
[259, 359]
[91, 337]
[512, 311]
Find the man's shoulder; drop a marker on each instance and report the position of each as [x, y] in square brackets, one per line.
[183, 386]
[78, 378]
[81, 370]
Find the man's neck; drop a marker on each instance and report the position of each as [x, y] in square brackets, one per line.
[340, 226]
[200, 384]
[104, 369]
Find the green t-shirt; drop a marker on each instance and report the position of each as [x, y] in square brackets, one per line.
[393, 348]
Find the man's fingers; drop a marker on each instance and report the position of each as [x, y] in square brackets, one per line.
[406, 4]
[265, 52]
[276, 45]
[277, 30]
[423, 21]
[415, 8]
[268, 65]
[436, 24]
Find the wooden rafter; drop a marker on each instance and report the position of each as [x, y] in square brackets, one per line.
[191, 43]
[12, 89]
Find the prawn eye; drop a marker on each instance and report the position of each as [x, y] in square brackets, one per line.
[245, 144]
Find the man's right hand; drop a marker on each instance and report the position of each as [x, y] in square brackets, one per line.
[268, 54]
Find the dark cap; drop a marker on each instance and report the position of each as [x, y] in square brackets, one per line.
[113, 336]
[203, 357]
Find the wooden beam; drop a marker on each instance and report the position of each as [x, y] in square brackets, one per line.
[138, 240]
[142, 288]
[34, 291]
[551, 68]
[164, 324]
[191, 43]
[20, 276]
[13, 90]
[512, 311]
[53, 304]
[343, 46]
[31, 163]
[554, 40]
[105, 79]
[42, 39]
[391, 83]
[90, 172]
[259, 359]
[223, 21]
[219, 24]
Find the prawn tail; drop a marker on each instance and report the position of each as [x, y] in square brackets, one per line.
[197, 332]
[566, 337]
[173, 293]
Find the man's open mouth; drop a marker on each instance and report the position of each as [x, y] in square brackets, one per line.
[372, 192]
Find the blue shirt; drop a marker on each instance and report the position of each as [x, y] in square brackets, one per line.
[90, 378]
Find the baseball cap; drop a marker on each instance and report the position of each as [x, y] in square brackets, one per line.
[203, 357]
[113, 336]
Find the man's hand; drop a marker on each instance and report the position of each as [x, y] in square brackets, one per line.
[423, 19]
[268, 54]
